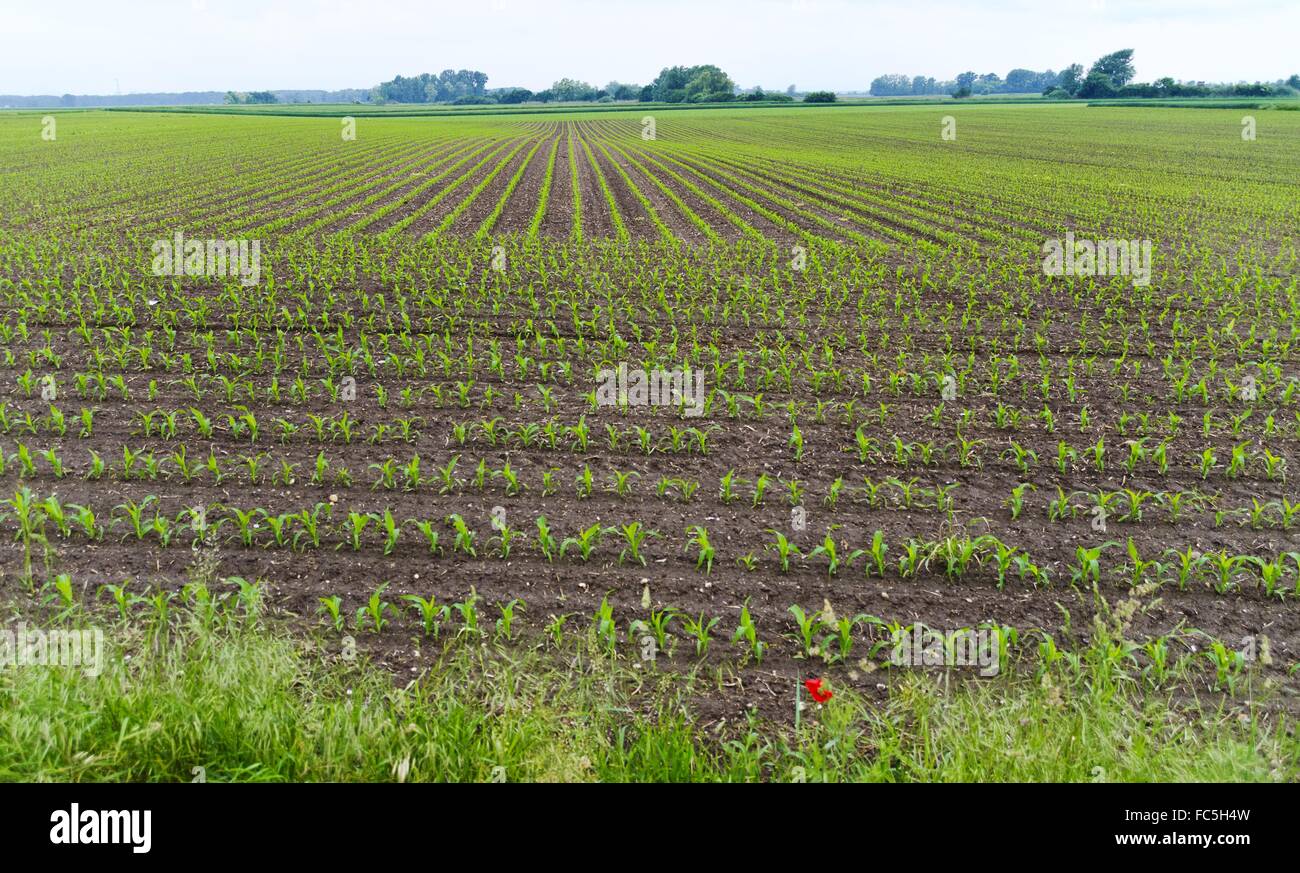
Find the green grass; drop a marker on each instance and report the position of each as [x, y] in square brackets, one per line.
[246, 703]
[415, 110]
[1285, 103]
[412, 110]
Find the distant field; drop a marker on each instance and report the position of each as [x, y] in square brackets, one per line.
[904, 419]
[851, 175]
[399, 110]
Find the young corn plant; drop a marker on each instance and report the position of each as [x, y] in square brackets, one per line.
[1016, 502]
[357, 522]
[134, 514]
[657, 626]
[808, 626]
[634, 535]
[464, 537]
[620, 483]
[915, 556]
[280, 526]
[748, 633]
[727, 488]
[584, 483]
[447, 476]
[546, 543]
[876, 555]
[555, 628]
[505, 540]
[701, 629]
[375, 611]
[698, 537]
[585, 542]
[1186, 565]
[830, 551]
[837, 645]
[1088, 569]
[796, 442]
[505, 624]
[391, 529]
[468, 611]
[604, 628]
[310, 526]
[1229, 665]
[332, 606]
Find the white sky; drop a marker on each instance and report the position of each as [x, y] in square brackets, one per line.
[97, 46]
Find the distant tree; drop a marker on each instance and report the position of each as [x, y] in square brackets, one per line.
[819, 97]
[455, 84]
[925, 85]
[966, 80]
[244, 98]
[758, 95]
[1251, 89]
[1071, 79]
[790, 91]
[622, 91]
[515, 95]
[1117, 66]
[1022, 81]
[647, 94]
[446, 87]
[570, 90]
[670, 85]
[403, 90]
[705, 83]
[1294, 81]
[709, 84]
[890, 85]
[1097, 84]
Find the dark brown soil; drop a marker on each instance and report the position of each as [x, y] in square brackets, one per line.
[749, 446]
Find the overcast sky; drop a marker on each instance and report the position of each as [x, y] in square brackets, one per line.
[101, 46]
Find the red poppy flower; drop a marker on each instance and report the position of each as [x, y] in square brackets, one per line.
[819, 693]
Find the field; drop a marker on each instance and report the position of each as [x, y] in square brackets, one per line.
[397, 436]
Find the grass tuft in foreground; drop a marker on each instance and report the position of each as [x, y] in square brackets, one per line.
[239, 701]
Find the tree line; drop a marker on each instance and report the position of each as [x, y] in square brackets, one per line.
[702, 83]
[449, 86]
[1110, 75]
[1017, 81]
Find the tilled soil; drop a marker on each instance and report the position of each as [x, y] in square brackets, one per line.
[740, 530]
